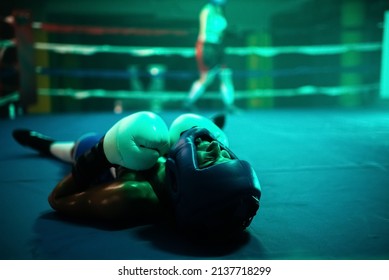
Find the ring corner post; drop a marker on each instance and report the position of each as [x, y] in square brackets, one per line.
[384, 84]
[25, 50]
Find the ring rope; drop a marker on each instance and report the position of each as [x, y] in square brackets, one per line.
[189, 52]
[93, 49]
[170, 96]
[9, 98]
[187, 74]
[96, 30]
[307, 50]
[7, 43]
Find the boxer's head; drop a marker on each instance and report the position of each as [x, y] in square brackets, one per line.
[212, 191]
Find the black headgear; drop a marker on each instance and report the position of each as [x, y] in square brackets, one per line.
[218, 199]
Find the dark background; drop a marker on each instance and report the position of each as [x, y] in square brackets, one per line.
[252, 23]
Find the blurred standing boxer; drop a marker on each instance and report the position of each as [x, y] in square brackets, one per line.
[210, 56]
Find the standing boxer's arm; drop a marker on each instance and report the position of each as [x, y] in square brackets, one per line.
[203, 24]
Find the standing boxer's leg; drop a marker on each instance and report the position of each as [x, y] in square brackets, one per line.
[227, 90]
[199, 86]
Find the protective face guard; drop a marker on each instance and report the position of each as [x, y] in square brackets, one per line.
[222, 197]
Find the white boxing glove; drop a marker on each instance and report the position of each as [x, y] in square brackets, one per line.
[187, 121]
[137, 141]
